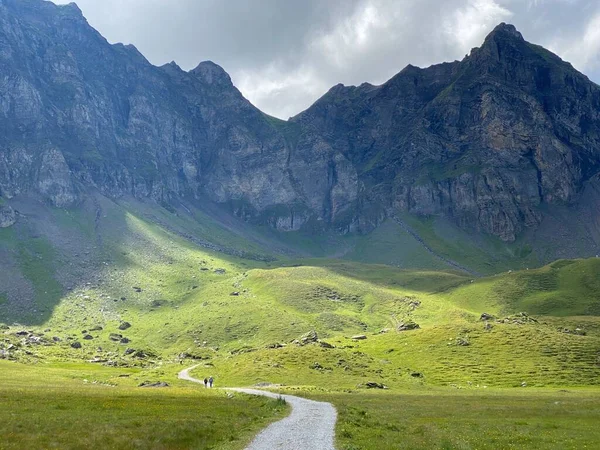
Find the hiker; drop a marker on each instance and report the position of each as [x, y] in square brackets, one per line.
[205, 383]
[210, 381]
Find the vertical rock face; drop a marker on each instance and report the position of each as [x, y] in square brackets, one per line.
[7, 215]
[487, 141]
[82, 113]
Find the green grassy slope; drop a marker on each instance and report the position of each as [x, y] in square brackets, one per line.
[148, 290]
[563, 288]
[178, 296]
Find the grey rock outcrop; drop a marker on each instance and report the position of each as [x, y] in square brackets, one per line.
[7, 215]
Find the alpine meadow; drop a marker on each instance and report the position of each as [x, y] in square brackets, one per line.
[416, 260]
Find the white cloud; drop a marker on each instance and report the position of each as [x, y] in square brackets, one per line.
[469, 24]
[584, 50]
[278, 91]
[283, 55]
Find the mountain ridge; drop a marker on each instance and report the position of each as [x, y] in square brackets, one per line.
[487, 142]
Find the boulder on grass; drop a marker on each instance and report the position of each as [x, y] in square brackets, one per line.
[407, 326]
[374, 385]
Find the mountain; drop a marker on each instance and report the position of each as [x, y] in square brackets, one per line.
[79, 114]
[487, 141]
[499, 151]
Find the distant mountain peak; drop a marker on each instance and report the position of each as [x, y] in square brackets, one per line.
[73, 7]
[211, 73]
[506, 30]
[503, 36]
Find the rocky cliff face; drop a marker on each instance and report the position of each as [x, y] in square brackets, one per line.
[7, 215]
[78, 113]
[487, 141]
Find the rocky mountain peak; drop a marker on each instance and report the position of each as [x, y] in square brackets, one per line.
[44, 7]
[489, 142]
[505, 31]
[72, 8]
[503, 42]
[212, 74]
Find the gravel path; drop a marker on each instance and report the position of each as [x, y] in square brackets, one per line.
[310, 426]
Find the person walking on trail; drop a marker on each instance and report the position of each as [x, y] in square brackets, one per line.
[205, 383]
[210, 381]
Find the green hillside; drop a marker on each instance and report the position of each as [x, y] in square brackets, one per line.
[119, 287]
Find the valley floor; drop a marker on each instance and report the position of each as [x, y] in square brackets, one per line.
[75, 406]
[447, 419]
[82, 407]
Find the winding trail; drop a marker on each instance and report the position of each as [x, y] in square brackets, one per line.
[310, 426]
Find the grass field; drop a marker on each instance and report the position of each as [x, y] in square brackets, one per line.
[561, 419]
[145, 290]
[77, 407]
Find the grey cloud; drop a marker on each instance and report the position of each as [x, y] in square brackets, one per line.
[284, 54]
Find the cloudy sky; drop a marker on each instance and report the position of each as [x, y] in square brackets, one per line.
[284, 54]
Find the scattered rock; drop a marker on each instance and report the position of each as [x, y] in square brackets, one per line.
[220, 271]
[416, 374]
[115, 337]
[76, 344]
[56, 339]
[124, 326]
[129, 351]
[463, 341]
[408, 325]
[488, 326]
[137, 289]
[88, 337]
[96, 328]
[326, 344]
[98, 360]
[576, 331]
[235, 294]
[22, 333]
[308, 338]
[124, 341]
[486, 316]
[316, 366]
[156, 384]
[359, 337]
[276, 345]
[519, 319]
[414, 305]
[374, 385]
[8, 217]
